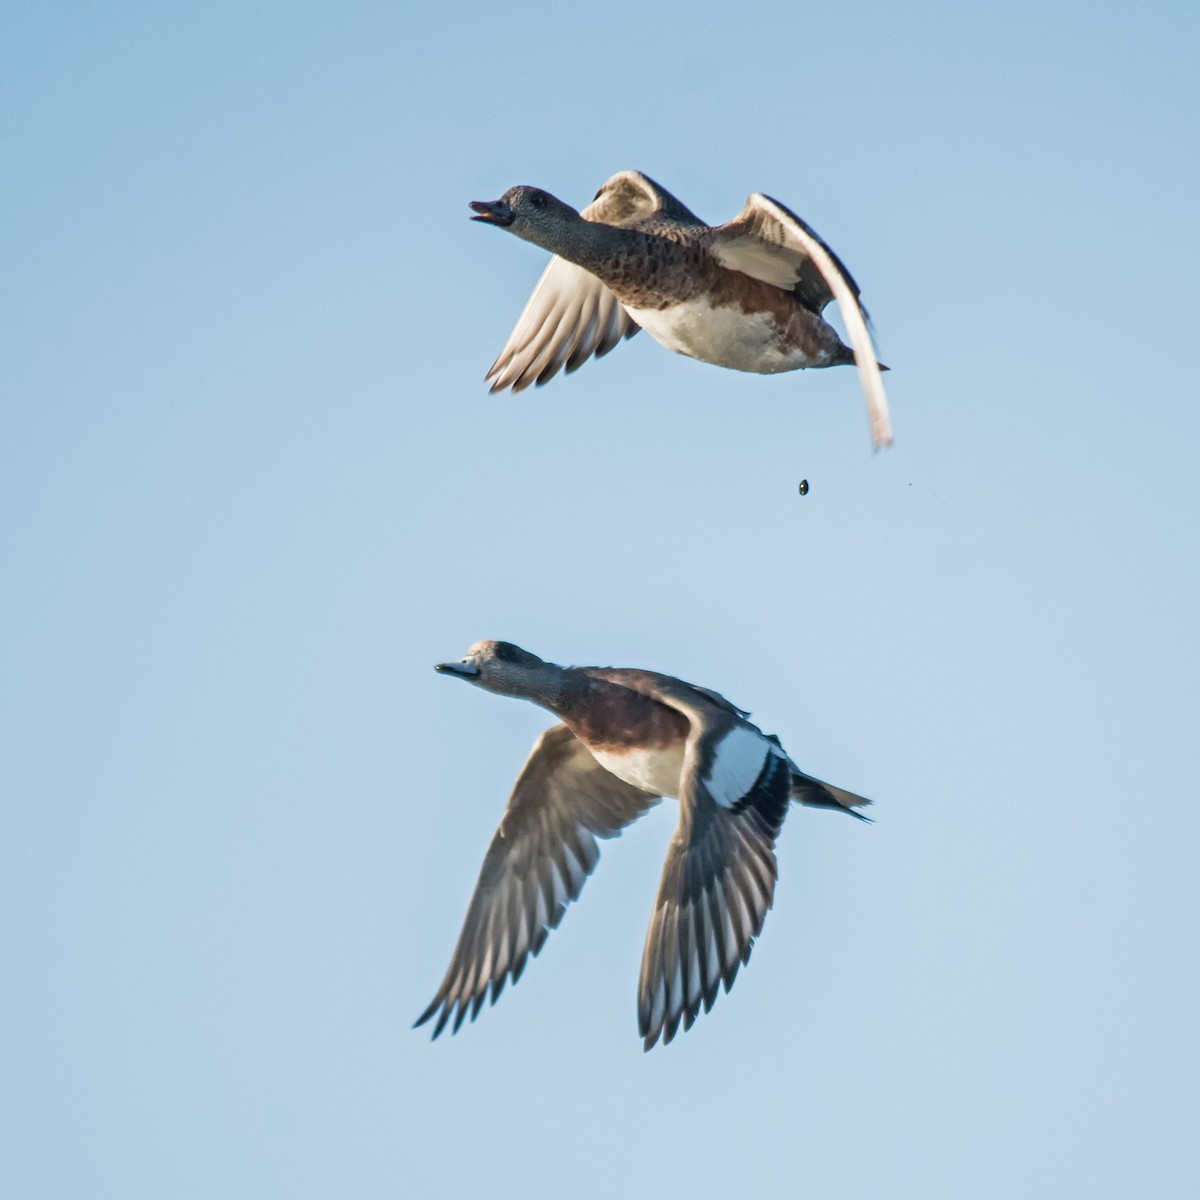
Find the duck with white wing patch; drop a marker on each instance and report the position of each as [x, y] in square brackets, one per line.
[627, 738]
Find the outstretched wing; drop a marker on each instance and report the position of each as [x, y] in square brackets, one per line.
[769, 242]
[571, 315]
[536, 865]
[719, 878]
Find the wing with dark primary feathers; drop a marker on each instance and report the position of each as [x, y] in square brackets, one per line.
[536, 865]
[717, 885]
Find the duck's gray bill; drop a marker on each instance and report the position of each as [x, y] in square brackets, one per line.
[467, 670]
[492, 212]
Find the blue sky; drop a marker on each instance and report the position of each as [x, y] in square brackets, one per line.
[253, 488]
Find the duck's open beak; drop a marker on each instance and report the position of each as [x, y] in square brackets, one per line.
[465, 670]
[493, 212]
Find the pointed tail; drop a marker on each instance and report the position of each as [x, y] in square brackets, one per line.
[814, 792]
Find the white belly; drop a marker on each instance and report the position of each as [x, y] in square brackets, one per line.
[656, 771]
[727, 337]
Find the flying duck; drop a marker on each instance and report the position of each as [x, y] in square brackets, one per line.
[746, 295]
[626, 738]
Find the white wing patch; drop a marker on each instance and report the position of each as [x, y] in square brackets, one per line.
[738, 761]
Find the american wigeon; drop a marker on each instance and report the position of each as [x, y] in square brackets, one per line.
[627, 738]
[746, 295]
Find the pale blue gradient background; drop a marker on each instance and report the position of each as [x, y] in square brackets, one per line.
[253, 488]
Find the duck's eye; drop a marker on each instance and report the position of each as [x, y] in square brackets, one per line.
[538, 199]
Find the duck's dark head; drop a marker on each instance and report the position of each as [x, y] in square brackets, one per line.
[499, 667]
[530, 213]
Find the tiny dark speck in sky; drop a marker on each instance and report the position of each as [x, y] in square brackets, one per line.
[804, 487]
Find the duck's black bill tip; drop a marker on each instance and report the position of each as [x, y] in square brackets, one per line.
[492, 212]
